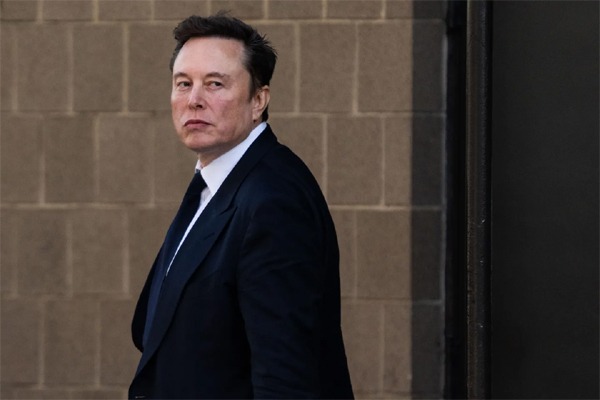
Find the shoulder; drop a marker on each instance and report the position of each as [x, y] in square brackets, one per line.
[281, 171]
[271, 172]
[279, 189]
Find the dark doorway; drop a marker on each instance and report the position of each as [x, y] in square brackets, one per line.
[544, 242]
[544, 279]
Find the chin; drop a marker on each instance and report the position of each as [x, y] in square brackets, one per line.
[195, 140]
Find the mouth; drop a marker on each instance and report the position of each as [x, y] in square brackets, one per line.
[196, 122]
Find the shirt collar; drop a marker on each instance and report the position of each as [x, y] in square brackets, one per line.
[214, 174]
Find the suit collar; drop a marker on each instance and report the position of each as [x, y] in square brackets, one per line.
[222, 200]
[217, 171]
[201, 238]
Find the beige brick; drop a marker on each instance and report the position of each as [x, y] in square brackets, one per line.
[98, 251]
[125, 152]
[179, 9]
[244, 9]
[399, 8]
[98, 67]
[119, 357]
[362, 326]
[427, 65]
[7, 390]
[20, 168]
[7, 70]
[123, 10]
[284, 89]
[71, 342]
[69, 159]
[20, 327]
[42, 83]
[327, 67]
[49, 394]
[174, 162]
[385, 68]
[150, 49]
[345, 226]
[426, 234]
[383, 254]
[99, 394]
[356, 9]
[77, 10]
[426, 349]
[295, 9]
[305, 136]
[21, 10]
[398, 160]
[355, 156]
[147, 230]
[41, 252]
[427, 160]
[398, 357]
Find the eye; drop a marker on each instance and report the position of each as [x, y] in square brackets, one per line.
[215, 84]
[182, 84]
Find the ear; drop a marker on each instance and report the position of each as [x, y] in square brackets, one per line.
[260, 101]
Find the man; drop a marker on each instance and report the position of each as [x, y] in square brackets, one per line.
[243, 299]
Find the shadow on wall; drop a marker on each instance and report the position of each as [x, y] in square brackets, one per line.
[426, 199]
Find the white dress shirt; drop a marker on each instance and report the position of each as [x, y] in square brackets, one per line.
[214, 175]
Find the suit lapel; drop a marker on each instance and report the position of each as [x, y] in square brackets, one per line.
[200, 240]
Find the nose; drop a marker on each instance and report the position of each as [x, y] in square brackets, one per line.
[196, 99]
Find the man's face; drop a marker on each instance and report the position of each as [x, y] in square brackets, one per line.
[210, 100]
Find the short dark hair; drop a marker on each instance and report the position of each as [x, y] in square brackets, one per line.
[259, 56]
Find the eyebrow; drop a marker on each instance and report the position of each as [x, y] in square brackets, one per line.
[209, 75]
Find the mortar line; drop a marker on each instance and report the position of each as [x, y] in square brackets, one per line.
[125, 33]
[39, 11]
[355, 73]
[70, 70]
[95, 11]
[382, 127]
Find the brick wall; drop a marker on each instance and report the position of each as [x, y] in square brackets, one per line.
[91, 174]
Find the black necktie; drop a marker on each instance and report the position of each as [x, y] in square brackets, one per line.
[187, 210]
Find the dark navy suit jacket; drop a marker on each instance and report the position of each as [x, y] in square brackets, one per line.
[251, 305]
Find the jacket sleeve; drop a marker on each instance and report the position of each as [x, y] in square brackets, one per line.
[280, 288]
